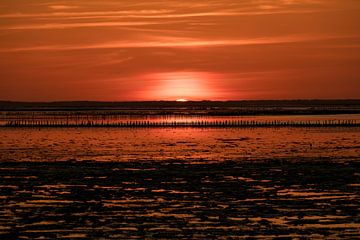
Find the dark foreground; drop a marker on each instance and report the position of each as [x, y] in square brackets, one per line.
[163, 200]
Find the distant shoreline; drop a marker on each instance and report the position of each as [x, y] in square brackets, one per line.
[244, 107]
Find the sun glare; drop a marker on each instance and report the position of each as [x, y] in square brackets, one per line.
[181, 86]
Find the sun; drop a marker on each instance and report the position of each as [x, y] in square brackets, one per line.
[180, 86]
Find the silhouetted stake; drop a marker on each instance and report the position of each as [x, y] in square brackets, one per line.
[115, 121]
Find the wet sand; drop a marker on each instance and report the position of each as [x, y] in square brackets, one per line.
[308, 197]
[185, 183]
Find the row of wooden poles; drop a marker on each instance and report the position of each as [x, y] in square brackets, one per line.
[199, 123]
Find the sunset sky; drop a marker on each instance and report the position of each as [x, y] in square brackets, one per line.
[115, 50]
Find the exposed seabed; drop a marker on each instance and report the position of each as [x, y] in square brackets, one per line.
[313, 198]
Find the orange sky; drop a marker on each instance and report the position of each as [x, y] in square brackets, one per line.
[169, 49]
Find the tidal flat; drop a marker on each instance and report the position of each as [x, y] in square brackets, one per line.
[308, 198]
[180, 183]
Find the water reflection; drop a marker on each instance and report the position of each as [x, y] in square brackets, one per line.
[184, 144]
[287, 198]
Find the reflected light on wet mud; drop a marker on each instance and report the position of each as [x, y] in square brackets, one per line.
[192, 183]
[184, 144]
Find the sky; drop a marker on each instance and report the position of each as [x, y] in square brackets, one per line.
[126, 50]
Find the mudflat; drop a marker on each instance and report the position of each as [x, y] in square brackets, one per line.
[176, 199]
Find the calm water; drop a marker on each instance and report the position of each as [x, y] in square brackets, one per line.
[187, 183]
[188, 144]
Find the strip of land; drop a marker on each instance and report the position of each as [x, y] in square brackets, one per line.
[255, 107]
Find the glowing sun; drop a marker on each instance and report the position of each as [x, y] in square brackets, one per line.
[181, 100]
[180, 86]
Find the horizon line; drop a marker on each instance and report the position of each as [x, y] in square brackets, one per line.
[175, 101]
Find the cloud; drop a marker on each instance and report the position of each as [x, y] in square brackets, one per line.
[158, 14]
[62, 7]
[176, 42]
[81, 25]
[148, 14]
[85, 13]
